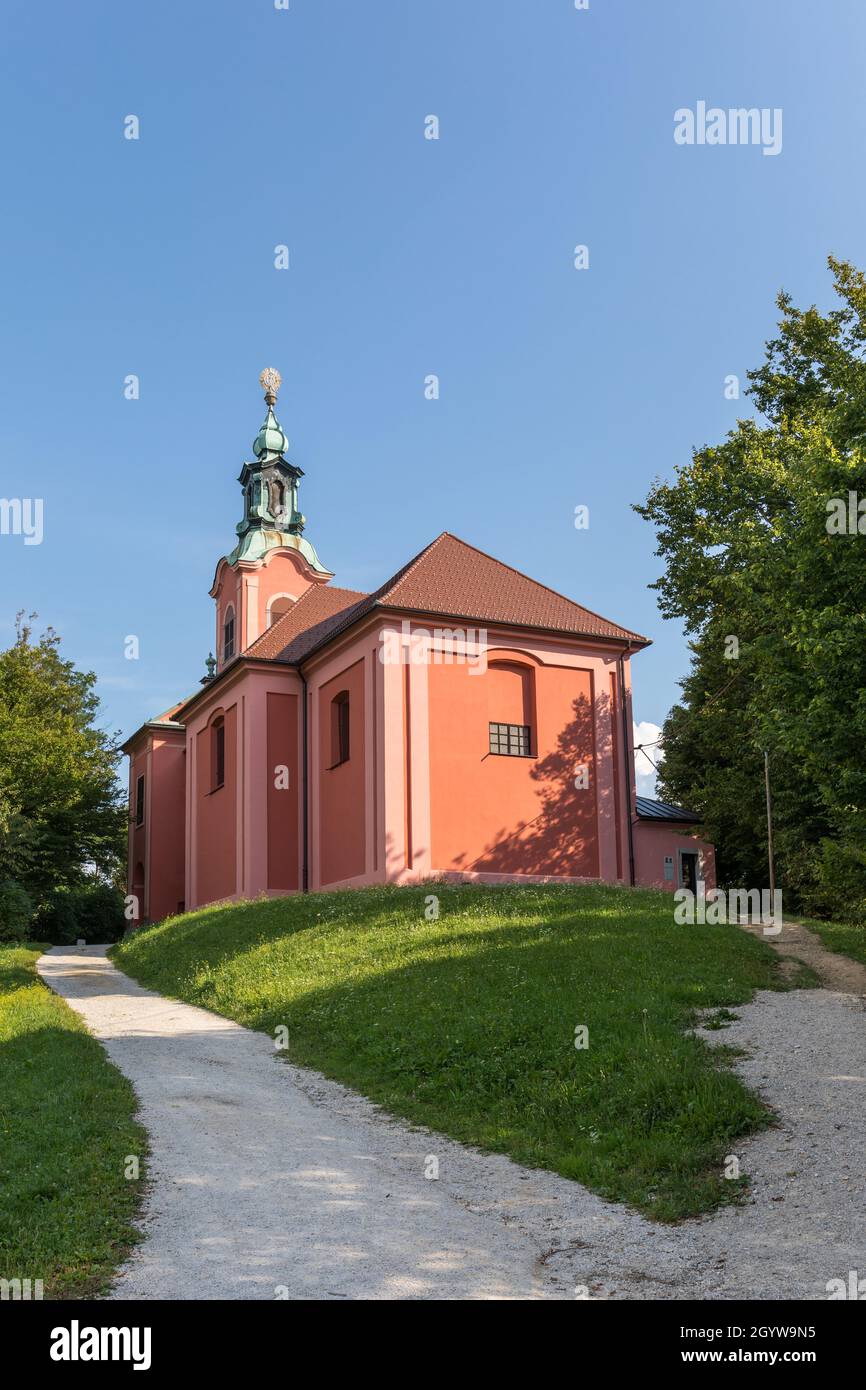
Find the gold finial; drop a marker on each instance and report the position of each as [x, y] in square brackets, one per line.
[271, 381]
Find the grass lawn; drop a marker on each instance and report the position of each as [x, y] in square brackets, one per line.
[836, 936]
[467, 1023]
[66, 1128]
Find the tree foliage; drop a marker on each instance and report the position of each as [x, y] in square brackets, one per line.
[62, 811]
[743, 531]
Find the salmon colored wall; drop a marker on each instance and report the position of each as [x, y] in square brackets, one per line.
[423, 779]
[653, 842]
[216, 816]
[249, 590]
[282, 805]
[285, 573]
[510, 692]
[227, 594]
[137, 877]
[420, 793]
[514, 815]
[156, 847]
[342, 790]
[257, 846]
[619, 789]
[166, 825]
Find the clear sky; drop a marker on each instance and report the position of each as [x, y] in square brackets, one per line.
[305, 127]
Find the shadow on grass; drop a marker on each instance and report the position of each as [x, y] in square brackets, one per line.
[67, 1128]
[467, 1023]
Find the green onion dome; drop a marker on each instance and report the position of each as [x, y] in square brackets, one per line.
[270, 438]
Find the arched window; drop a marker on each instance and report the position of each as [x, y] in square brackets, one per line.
[218, 753]
[278, 499]
[279, 604]
[340, 728]
[229, 634]
[510, 703]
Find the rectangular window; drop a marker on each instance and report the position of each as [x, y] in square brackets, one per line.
[139, 801]
[512, 740]
[229, 638]
[340, 728]
[219, 755]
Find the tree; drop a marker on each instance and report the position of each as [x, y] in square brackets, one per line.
[62, 811]
[745, 532]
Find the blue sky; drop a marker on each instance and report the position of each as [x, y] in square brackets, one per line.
[305, 127]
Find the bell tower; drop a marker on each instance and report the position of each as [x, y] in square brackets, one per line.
[273, 563]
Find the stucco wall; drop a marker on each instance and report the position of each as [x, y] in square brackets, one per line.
[156, 847]
[653, 842]
[137, 869]
[249, 592]
[420, 794]
[341, 790]
[166, 825]
[216, 814]
[497, 814]
[449, 805]
[283, 573]
[282, 802]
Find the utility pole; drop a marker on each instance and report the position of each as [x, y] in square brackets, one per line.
[769, 826]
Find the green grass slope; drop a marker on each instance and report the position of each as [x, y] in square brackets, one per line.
[66, 1129]
[466, 1022]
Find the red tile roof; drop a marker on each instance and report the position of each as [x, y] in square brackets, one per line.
[454, 579]
[448, 579]
[307, 623]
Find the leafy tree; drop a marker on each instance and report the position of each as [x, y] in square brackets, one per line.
[91, 911]
[62, 811]
[743, 530]
[16, 910]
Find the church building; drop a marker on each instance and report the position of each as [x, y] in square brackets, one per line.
[462, 722]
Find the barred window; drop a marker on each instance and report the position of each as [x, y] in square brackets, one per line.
[510, 739]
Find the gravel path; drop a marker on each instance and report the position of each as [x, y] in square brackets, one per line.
[269, 1181]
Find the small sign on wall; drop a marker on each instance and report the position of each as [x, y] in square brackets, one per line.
[669, 868]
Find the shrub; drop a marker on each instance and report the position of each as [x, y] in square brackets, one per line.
[91, 911]
[840, 888]
[16, 911]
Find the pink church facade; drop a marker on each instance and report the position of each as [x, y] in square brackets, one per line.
[462, 721]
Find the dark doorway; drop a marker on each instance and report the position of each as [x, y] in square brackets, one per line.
[689, 870]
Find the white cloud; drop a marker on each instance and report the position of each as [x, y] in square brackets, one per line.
[648, 734]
